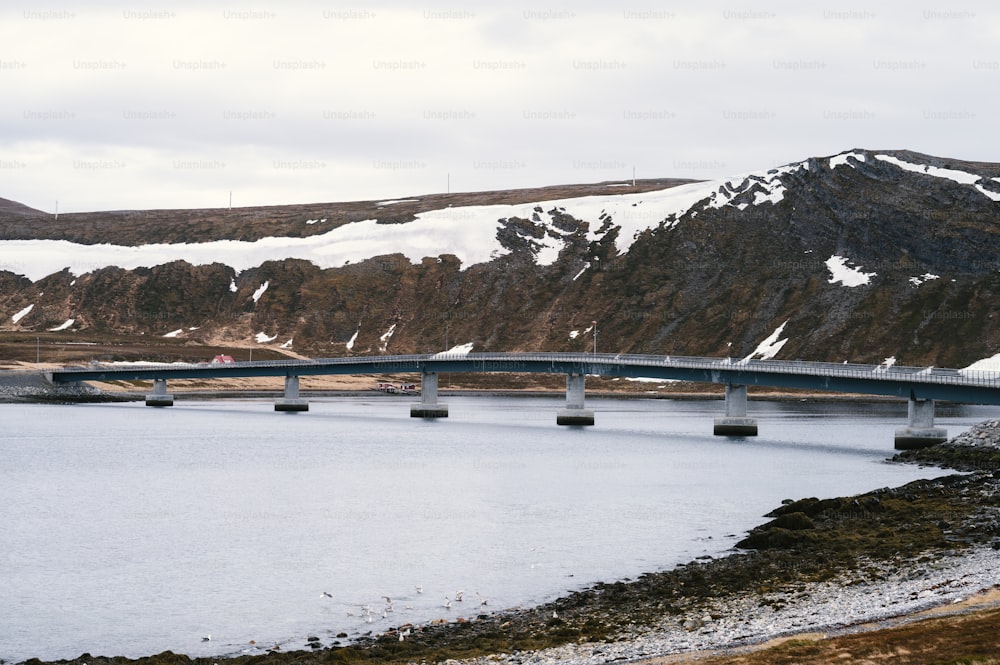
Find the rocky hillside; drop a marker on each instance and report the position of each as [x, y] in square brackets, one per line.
[856, 257]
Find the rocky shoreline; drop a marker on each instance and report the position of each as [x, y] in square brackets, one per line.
[20, 386]
[818, 565]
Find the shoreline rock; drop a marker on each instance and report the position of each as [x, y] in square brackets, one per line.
[20, 386]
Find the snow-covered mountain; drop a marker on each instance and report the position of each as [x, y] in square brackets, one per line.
[858, 256]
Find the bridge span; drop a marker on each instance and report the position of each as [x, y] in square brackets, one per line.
[920, 386]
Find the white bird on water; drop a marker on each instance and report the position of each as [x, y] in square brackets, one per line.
[447, 602]
[458, 596]
[482, 601]
[207, 638]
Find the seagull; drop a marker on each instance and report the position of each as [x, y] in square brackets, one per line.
[419, 589]
[327, 594]
[447, 602]
[458, 596]
[482, 601]
[207, 638]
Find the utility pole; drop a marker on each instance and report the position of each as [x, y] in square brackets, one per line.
[38, 353]
[594, 323]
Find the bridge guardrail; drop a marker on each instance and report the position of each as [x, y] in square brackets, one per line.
[923, 375]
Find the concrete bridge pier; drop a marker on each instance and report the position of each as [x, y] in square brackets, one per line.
[574, 413]
[736, 422]
[291, 400]
[429, 407]
[920, 431]
[159, 396]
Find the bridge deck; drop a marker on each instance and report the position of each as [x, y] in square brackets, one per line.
[970, 386]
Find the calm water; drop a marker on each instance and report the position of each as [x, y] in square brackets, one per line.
[128, 530]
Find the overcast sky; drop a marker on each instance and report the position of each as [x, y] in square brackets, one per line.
[175, 104]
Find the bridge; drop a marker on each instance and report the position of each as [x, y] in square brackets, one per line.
[920, 386]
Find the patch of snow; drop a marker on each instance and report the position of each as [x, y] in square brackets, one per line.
[573, 334]
[232, 286]
[461, 350]
[993, 196]
[73, 283]
[288, 344]
[582, 270]
[886, 364]
[961, 177]
[843, 159]
[926, 277]
[260, 290]
[385, 338]
[644, 379]
[991, 364]
[770, 346]
[846, 275]
[147, 363]
[468, 232]
[262, 338]
[350, 342]
[64, 326]
[766, 186]
[394, 201]
[174, 333]
[23, 313]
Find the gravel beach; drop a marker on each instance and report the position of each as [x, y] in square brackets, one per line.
[837, 606]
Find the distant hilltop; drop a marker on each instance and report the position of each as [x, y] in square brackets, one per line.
[860, 256]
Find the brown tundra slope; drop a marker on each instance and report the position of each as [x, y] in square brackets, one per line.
[754, 254]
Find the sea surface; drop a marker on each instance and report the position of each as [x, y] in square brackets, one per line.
[128, 530]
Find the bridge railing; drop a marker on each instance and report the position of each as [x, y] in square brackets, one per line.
[412, 362]
[929, 375]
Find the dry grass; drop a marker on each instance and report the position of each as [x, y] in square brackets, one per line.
[971, 638]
